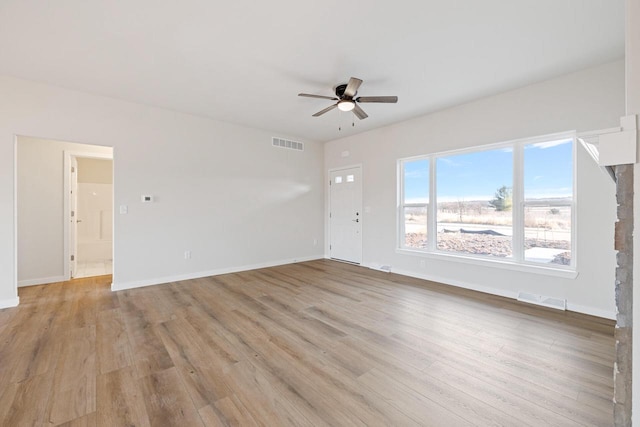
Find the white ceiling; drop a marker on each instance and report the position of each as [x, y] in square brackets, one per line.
[246, 61]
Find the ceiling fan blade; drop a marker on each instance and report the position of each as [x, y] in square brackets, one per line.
[308, 95]
[352, 87]
[387, 99]
[329, 108]
[359, 112]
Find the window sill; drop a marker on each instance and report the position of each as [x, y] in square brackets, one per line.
[493, 263]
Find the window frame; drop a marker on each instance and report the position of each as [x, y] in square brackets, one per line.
[401, 205]
[517, 261]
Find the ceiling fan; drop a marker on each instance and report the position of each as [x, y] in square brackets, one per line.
[345, 94]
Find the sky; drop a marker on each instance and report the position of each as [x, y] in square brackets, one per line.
[548, 172]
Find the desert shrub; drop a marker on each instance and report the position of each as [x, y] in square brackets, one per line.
[502, 201]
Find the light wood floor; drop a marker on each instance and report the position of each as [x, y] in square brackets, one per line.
[317, 343]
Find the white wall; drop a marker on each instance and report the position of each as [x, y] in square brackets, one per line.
[40, 185]
[587, 100]
[632, 58]
[222, 191]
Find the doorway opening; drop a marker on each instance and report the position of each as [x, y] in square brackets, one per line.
[90, 215]
[50, 246]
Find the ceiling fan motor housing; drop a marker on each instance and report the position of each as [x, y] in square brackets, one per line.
[340, 90]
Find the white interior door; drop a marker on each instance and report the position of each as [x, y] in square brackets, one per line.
[345, 216]
[73, 220]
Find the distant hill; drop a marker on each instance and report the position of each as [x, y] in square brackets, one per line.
[471, 205]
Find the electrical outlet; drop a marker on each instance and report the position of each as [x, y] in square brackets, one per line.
[315, 242]
[187, 254]
[423, 263]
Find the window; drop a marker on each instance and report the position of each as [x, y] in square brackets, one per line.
[474, 202]
[512, 201]
[548, 199]
[415, 203]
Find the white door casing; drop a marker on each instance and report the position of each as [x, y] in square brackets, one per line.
[345, 214]
[71, 204]
[73, 217]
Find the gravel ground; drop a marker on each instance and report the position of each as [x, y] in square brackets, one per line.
[483, 244]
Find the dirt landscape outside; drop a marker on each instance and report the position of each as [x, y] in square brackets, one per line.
[476, 228]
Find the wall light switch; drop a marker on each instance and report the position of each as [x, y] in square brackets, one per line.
[124, 209]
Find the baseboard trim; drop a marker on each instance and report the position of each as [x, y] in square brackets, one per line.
[197, 275]
[8, 303]
[41, 281]
[597, 312]
[582, 309]
[459, 284]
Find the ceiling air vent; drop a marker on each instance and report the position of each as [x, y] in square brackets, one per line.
[286, 143]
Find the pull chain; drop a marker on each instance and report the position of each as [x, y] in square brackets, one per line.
[353, 121]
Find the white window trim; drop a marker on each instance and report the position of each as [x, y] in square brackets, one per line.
[517, 262]
[485, 261]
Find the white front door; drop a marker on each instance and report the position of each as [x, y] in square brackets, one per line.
[345, 216]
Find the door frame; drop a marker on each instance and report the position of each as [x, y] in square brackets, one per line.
[67, 229]
[328, 183]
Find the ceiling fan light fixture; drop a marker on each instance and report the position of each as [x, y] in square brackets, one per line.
[346, 97]
[346, 105]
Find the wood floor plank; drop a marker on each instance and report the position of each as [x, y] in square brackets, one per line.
[112, 343]
[328, 390]
[416, 405]
[216, 334]
[234, 412]
[74, 377]
[201, 371]
[528, 412]
[318, 343]
[30, 344]
[119, 400]
[545, 398]
[211, 417]
[7, 396]
[30, 401]
[598, 402]
[420, 386]
[451, 348]
[372, 338]
[269, 398]
[89, 420]
[148, 351]
[167, 401]
[7, 314]
[80, 308]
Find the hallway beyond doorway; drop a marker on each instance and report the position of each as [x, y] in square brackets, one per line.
[93, 268]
